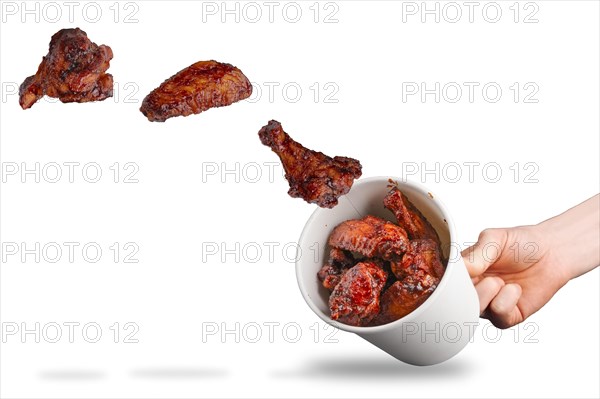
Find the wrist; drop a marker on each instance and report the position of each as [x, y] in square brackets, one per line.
[573, 239]
[555, 254]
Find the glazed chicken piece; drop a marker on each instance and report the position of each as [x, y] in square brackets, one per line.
[312, 175]
[418, 275]
[371, 237]
[339, 262]
[422, 259]
[409, 217]
[72, 71]
[399, 300]
[355, 300]
[203, 85]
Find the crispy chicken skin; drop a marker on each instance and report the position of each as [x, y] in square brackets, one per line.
[355, 300]
[371, 237]
[72, 71]
[409, 217]
[203, 85]
[312, 175]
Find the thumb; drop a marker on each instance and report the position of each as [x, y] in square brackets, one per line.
[488, 248]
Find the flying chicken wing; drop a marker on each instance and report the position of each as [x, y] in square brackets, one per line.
[201, 86]
[312, 175]
[74, 70]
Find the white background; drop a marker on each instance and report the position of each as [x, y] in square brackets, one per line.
[177, 208]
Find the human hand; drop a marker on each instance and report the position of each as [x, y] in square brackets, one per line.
[513, 272]
[517, 270]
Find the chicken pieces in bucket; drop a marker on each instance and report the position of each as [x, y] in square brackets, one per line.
[379, 271]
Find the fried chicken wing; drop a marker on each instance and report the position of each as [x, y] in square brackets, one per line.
[399, 300]
[355, 300]
[72, 71]
[339, 262]
[418, 275]
[203, 85]
[409, 217]
[422, 259]
[371, 237]
[312, 175]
